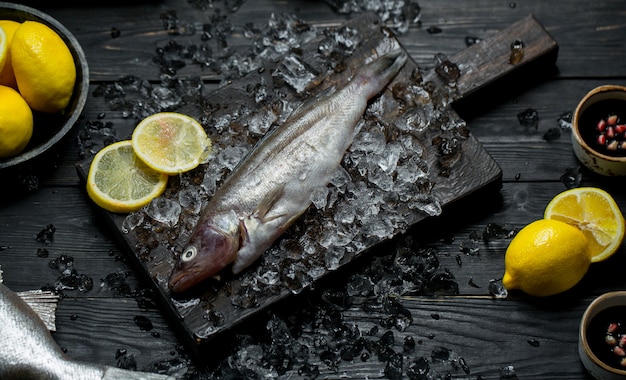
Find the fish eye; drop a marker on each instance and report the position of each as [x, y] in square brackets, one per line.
[189, 254]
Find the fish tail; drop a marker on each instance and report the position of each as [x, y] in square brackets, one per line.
[44, 303]
[112, 373]
[373, 77]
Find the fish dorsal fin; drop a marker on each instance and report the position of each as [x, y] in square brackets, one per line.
[112, 373]
[313, 101]
[266, 204]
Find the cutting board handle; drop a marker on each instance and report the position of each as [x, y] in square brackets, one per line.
[491, 59]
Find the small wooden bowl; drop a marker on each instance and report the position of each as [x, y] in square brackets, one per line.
[49, 130]
[596, 367]
[598, 161]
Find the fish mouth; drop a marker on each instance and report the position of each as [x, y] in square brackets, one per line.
[180, 281]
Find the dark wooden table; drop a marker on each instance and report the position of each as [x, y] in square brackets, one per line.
[496, 338]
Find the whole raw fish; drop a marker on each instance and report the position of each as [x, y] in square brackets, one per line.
[28, 350]
[271, 187]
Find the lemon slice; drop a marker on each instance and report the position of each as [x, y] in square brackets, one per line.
[118, 181]
[171, 142]
[593, 211]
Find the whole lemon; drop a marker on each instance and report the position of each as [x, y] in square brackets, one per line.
[16, 122]
[44, 67]
[546, 257]
[7, 78]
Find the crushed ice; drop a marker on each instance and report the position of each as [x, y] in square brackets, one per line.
[384, 181]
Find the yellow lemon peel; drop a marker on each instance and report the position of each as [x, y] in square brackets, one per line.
[545, 258]
[16, 123]
[43, 65]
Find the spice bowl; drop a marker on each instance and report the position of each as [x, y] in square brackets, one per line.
[599, 130]
[602, 337]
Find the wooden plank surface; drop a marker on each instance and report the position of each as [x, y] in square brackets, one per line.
[473, 327]
[474, 171]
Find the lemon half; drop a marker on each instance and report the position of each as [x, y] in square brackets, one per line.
[595, 213]
[7, 78]
[4, 47]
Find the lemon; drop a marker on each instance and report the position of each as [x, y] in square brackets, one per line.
[7, 78]
[4, 47]
[171, 142]
[120, 182]
[595, 213]
[16, 122]
[546, 257]
[44, 67]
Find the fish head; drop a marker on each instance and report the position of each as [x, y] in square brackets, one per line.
[212, 246]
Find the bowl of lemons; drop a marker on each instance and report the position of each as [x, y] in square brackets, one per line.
[44, 82]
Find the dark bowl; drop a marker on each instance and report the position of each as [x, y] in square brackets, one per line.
[49, 130]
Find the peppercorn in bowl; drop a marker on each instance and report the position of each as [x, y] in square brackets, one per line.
[599, 130]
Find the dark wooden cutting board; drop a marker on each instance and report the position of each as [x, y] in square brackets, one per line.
[299, 258]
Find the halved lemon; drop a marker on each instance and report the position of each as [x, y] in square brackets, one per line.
[171, 142]
[7, 77]
[4, 48]
[119, 181]
[595, 213]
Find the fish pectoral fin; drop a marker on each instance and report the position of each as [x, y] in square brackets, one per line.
[268, 202]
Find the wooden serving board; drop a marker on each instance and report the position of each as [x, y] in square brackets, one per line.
[414, 110]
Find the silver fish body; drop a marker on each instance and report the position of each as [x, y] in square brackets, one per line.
[272, 186]
[28, 350]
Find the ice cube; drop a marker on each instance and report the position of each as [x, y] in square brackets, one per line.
[164, 210]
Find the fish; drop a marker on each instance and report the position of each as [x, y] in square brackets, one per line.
[43, 302]
[272, 185]
[28, 350]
